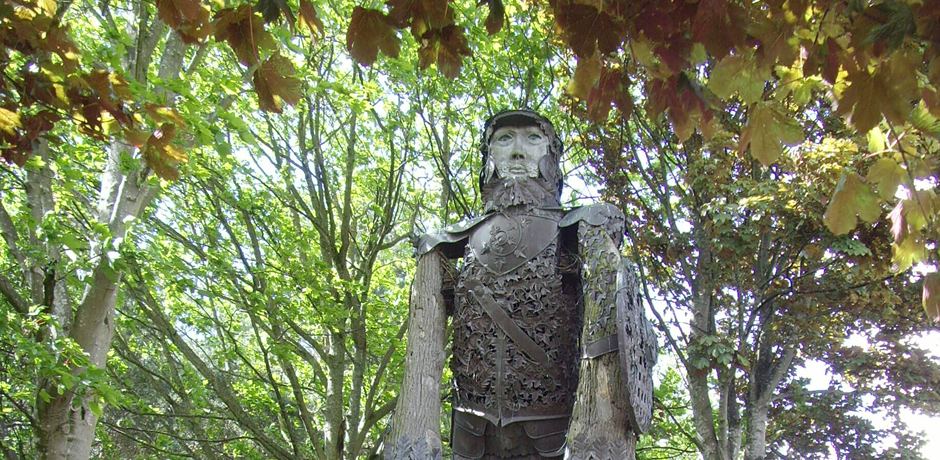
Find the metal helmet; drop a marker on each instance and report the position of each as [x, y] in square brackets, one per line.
[549, 165]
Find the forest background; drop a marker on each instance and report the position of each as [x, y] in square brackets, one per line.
[208, 210]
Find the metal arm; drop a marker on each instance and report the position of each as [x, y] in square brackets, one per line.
[614, 400]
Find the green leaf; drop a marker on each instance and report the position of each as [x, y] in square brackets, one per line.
[9, 121]
[851, 199]
[738, 74]
[95, 407]
[924, 121]
[876, 140]
[886, 174]
[72, 242]
[768, 129]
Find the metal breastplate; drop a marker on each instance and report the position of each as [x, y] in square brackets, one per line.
[515, 326]
[504, 242]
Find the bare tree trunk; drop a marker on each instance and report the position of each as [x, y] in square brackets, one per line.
[416, 425]
[600, 427]
[335, 421]
[702, 325]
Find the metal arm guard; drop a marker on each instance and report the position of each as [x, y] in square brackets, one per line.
[637, 345]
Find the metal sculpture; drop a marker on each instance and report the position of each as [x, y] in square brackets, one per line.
[552, 353]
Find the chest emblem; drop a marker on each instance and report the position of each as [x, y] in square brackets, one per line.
[503, 243]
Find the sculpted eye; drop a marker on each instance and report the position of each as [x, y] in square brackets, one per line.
[504, 138]
[535, 137]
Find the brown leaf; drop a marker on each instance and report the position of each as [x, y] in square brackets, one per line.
[244, 31]
[162, 115]
[453, 46]
[58, 41]
[271, 11]
[39, 87]
[424, 15]
[173, 12]
[308, 18]
[872, 94]
[369, 31]
[161, 155]
[276, 84]
[497, 16]
[136, 137]
[589, 30]
[190, 18]
[613, 87]
[682, 100]
[931, 296]
[833, 60]
[717, 26]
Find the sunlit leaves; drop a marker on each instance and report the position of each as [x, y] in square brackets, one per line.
[768, 129]
[585, 77]
[276, 84]
[738, 74]
[886, 175]
[370, 31]
[851, 199]
[9, 121]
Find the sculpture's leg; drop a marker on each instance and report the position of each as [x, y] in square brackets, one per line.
[600, 427]
[416, 426]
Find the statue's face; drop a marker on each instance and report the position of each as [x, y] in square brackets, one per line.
[516, 150]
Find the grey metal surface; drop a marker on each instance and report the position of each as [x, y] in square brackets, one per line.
[638, 348]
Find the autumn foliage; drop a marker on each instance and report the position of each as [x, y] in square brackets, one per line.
[752, 69]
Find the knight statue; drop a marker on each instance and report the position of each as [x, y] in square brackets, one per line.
[552, 352]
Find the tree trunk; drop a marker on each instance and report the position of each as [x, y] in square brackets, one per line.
[416, 425]
[600, 427]
[66, 429]
[702, 325]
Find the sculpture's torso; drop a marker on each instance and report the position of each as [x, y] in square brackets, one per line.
[514, 256]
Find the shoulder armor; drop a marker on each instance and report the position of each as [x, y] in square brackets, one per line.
[453, 233]
[603, 215]
[598, 214]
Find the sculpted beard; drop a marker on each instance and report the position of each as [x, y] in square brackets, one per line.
[502, 194]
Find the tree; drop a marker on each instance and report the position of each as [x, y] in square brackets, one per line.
[64, 241]
[753, 285]
[697, 60]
